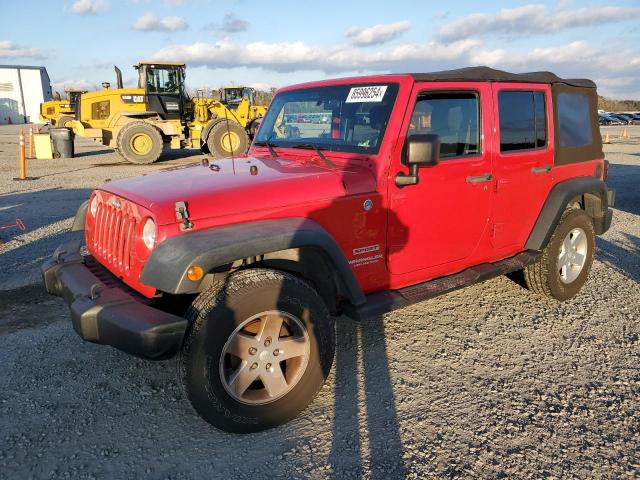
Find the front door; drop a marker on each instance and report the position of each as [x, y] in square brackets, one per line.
[443, 218]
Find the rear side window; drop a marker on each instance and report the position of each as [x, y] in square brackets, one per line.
[454, 117]
[574, 119]
[523, 120]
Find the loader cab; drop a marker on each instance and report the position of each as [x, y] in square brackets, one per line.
[74, 98]
[232, 96]
[163, 85]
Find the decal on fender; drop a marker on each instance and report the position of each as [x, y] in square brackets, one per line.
[368, 249]
[361, 261]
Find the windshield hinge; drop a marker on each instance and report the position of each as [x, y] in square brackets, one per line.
[182, 215]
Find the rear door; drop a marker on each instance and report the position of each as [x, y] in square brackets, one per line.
[442, 218]
[523, 160]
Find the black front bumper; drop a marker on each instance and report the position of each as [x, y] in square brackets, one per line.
[106, 312]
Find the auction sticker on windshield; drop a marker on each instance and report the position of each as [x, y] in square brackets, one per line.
[366, 94]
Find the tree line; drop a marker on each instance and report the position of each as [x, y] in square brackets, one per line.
[611, 105]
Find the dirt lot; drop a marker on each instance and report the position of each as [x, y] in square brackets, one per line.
[490, 381]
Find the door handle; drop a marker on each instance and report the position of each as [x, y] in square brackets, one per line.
[545, 169]
[480, 178]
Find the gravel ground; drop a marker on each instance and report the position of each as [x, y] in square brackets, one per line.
[515, 387]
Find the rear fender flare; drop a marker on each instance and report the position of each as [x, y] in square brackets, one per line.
[166, 268]
[591, 192]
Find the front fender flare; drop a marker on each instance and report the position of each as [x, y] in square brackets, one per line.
[166, 268]
[81, 217]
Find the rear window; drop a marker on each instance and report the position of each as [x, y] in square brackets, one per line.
[574, 120]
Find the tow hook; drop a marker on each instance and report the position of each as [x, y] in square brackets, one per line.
[182, 215]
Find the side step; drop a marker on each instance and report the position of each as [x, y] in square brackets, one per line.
[383, 302]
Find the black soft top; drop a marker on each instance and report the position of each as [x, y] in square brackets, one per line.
[486, 74]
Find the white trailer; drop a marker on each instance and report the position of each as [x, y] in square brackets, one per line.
[22, 89]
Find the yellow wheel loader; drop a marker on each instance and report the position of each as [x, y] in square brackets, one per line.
[221, 119]
[60, 113]
[140, 122]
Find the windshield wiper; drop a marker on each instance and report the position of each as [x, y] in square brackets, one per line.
[318, 149]
[267, 143]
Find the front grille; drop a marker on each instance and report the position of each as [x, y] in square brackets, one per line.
[113, 237]
[111, 281]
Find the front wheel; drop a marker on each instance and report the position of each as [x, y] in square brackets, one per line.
[259, 347]
[64, 121]
[140, 142]
[565, 263]
[227, 139]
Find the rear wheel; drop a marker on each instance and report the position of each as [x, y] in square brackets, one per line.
[227, 139]
[257, 350]
[565, 263]
[140, 142]
[63, 121]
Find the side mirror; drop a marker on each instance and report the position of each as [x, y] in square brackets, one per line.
[419, 151]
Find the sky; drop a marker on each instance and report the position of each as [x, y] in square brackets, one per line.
[272, 43]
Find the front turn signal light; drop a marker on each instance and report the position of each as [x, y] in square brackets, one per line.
[195, 273]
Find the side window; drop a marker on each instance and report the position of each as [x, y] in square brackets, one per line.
[523, 120]
[574, 118]
[452, 116]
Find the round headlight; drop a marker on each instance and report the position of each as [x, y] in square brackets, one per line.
[149, 233]
[93, 206]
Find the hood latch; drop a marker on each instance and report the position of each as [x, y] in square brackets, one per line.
[182, 215]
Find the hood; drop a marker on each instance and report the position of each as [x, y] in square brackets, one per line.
[224, 187]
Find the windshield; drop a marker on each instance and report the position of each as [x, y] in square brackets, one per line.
[164, 79]
[349, 118]
[233, 95]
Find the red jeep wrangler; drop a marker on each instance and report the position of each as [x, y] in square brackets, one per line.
[417, 185]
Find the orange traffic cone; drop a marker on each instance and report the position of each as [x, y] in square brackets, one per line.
[22, 163]
[625, 134]
[606, 138]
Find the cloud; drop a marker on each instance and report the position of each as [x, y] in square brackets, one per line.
[292, 56]
[576, 53]
[578, 59]
[71, 84]
[88, 7]
[262, 86]
[9, 49]
[532, 20]
[230, 24]
[150, 23]
[377, 34]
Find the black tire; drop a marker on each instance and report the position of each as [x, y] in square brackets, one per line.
[63, 120]
[543, 276]
[217, 140]
[204, 148]
[127, 138]
[216, 314]
[254, 127]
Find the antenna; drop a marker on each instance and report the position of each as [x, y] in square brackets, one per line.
[233, 160]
